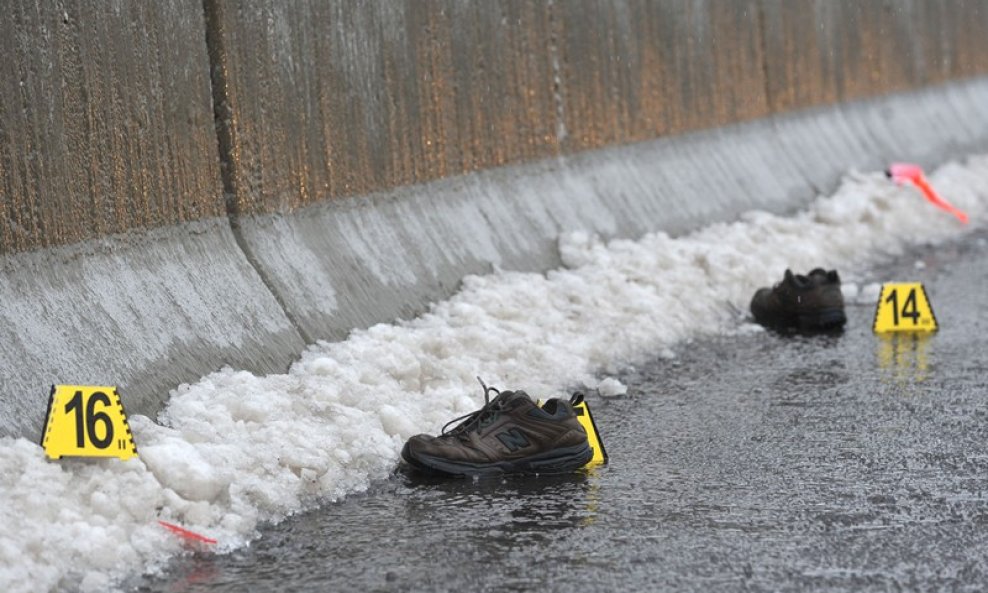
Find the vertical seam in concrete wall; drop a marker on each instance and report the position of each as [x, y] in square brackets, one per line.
[226, 145]
[763, 48]
[557, 76]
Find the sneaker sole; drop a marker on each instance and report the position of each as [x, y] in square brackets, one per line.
[823, 319]
[557, 461]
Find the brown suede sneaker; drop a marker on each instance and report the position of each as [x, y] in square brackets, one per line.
[510, 434]
[811, 302]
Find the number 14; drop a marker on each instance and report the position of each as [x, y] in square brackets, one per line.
[908, 307]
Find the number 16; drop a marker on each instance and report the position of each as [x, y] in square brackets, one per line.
[91, 418]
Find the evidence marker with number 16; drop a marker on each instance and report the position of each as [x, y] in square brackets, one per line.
[86, 421]
[904, 307]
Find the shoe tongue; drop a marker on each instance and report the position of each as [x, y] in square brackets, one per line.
[820, 276]
[797, 280]
[510, 399]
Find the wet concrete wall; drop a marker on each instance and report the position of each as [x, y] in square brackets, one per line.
[352, 98]
[347, 98]
[188, 184]
[106, 123]
[822, 52]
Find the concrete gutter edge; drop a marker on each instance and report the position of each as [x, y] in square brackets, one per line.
[144, 311]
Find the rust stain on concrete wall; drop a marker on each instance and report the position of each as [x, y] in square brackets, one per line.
[823, 51]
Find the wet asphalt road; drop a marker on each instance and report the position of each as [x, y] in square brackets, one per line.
[763, 462]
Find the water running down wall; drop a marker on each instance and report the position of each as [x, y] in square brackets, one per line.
[186, 185]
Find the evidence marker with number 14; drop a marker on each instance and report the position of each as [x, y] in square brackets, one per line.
[86, 421]
[904, 306]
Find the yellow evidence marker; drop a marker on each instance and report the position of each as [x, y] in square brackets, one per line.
[593, 435]
[904, 307]
[86, 421]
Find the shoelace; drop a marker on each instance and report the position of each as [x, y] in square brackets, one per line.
[478, 419]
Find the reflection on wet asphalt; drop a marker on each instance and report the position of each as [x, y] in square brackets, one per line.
[759, 463]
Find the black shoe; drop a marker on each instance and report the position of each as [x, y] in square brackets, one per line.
[811, 302]
[510, 434]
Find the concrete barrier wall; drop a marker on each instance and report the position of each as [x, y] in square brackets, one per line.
[118, 264]
[632, 71]
[107, 114]
[345, 98]
[192, 184]
[820, 52]
[348, 98]
[106, 123]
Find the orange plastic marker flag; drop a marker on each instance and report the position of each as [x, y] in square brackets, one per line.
[189, 535]
[903, 172]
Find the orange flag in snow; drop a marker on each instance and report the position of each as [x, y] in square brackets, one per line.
[903, 172]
